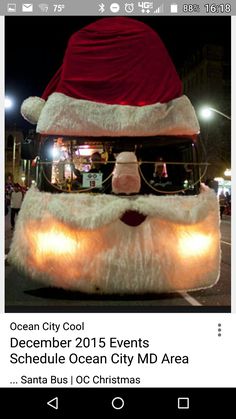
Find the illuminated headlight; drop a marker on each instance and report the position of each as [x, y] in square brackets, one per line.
[55, 243]
[194, 244]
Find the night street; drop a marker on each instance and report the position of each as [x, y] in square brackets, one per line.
[22, 294]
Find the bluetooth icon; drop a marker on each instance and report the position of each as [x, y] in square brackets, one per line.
[101, 8]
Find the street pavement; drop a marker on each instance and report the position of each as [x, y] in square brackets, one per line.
[25, 295]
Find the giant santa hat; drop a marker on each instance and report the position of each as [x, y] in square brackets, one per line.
[116, 79]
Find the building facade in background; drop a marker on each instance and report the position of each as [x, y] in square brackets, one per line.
[13, 166]
[206, 81]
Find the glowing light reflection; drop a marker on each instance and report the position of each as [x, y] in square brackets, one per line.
[194, 244]
[55, 243]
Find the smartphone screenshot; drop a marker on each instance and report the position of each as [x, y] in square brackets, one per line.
[117, 281]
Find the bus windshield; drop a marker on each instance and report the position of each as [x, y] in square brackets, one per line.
[166, 164]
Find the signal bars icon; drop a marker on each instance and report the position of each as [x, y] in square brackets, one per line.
[160, 9]
[43, 7]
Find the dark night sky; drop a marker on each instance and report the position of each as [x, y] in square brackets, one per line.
[35, 47]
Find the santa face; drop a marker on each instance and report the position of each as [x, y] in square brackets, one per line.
[80, 242]
[125, 241]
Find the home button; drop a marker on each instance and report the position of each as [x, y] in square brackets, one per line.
[117, 403]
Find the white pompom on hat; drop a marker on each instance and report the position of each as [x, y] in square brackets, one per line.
[31, 108]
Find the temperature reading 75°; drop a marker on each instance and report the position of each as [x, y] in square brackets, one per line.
[58, 7]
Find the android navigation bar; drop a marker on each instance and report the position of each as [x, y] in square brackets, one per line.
[122, 402]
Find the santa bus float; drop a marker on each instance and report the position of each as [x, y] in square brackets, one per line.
[119, 205]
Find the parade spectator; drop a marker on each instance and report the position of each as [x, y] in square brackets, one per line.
[6, 206]
[228, 203]
[16, 201]
[222, 202]
[8, 191]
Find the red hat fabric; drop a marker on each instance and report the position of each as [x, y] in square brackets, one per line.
[117, 60]
[116, 79]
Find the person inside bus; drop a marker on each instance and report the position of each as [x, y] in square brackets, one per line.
[77, 182]
[96, 165]
[160, 174]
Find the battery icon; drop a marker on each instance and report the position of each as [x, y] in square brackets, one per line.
[174, 8]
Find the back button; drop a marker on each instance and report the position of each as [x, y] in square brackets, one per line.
[53, 403]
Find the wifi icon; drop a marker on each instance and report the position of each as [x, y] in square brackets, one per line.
[44, 7]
